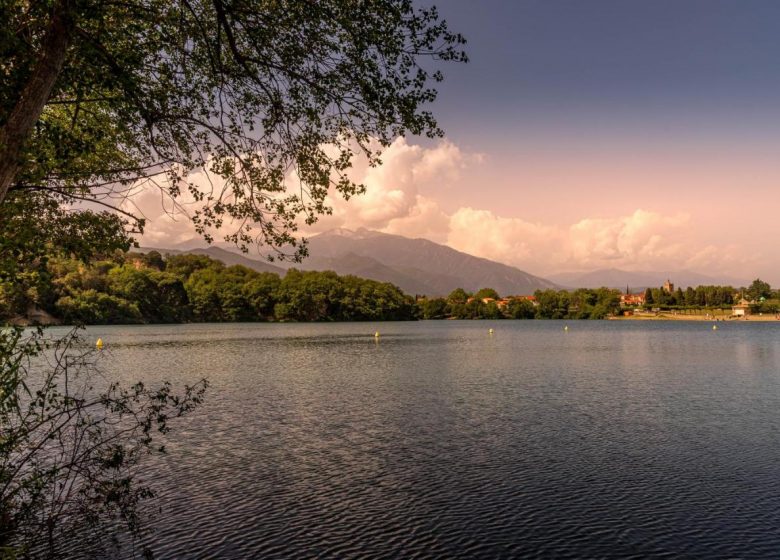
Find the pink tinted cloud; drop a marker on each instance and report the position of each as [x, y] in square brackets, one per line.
[451, 196]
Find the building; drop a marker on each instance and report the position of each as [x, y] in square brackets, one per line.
[741, 309]
[669, 286]
[503, 303]
[629, 300]
[632, 299]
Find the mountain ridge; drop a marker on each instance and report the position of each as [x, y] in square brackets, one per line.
[417, 266]
[439, 268]
[420, 266]
[640, 279]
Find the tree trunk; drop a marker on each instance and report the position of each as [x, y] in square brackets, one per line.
[35, 94]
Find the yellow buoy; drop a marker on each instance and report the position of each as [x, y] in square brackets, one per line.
[376, 334]
[714, 327]
[490, 331]
[566, 328]
[99, 344]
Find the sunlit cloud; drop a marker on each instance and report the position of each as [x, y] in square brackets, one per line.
[406, 195]
[400, 193]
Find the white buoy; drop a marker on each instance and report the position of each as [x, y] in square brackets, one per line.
[714, 327]
[490, 331]
[566, 328]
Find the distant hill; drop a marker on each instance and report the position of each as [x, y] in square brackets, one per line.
[409, 280]
[228, 257]
[639, 280]
[417, 266]
[420, 266]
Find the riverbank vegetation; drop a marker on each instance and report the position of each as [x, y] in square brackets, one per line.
[132, 288]
[758, 297]
[543, 304]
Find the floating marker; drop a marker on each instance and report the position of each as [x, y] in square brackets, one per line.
[490, 331]
[99, 344]
[376, 334]
[566, 328]
[714, 327]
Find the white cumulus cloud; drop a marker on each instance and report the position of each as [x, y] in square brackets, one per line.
[399, 192]
[403, 197]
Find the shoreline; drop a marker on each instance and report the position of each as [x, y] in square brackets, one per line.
[766, 318]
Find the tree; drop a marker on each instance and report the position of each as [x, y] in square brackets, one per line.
[550, 304]
[269, 101]
[435, 308]
[520, 308]
[69, 442]
[491, 311]
[649, 297]
[90, 307]
[458, 296]
[259, 292]
[33, 228]
[485, 293]
[97, 97]
[185, 265]
[70, 451]
[154, 259]
[759, 289]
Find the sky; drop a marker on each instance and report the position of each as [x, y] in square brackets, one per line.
[600, 134]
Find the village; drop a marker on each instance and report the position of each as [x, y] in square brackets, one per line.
[704, 303]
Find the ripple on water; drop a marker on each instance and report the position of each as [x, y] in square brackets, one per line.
[613, 441]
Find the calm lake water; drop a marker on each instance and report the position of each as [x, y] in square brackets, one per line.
[611, 440]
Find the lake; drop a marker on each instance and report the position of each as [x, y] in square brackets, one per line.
[439, 440]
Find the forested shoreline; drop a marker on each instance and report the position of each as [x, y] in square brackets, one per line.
[136, 288]
[132, 288]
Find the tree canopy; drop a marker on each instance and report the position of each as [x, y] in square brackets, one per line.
[759, 289]
[251, 109]
[268, 100]
[128, 288]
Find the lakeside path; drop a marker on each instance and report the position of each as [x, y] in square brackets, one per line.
[766, 317]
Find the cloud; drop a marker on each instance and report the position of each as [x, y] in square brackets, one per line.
[396, 198]
[167, 224]
[640, 241]
[403, 197]
[510, 240]
[642, 238]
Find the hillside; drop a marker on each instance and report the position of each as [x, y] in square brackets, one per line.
[417, 266]
[639, 280]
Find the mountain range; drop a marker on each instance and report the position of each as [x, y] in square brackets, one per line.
[639, 280]
[417, 266]
[420, 266]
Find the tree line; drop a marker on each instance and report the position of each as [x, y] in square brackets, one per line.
[759, 294]
[545, 304]
[147, 288]
[132, 288]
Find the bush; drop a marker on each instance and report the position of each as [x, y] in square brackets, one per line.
[71, 442]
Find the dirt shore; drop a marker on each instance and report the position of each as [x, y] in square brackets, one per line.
[725, 316]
